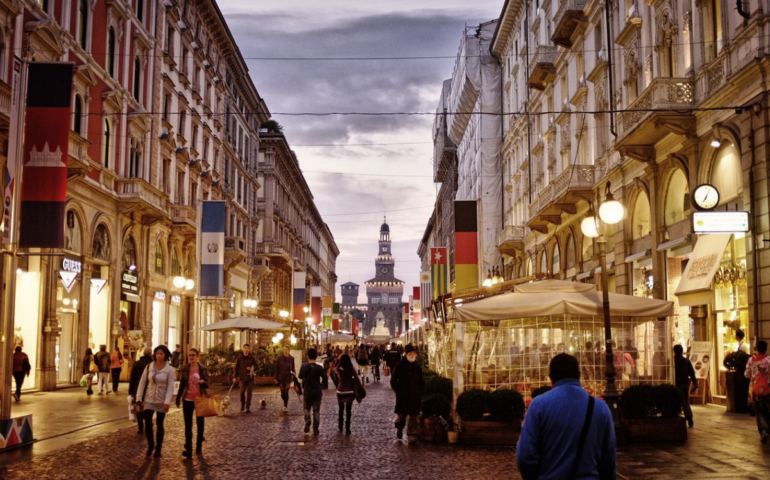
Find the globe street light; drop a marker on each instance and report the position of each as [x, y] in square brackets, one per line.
[610, 213]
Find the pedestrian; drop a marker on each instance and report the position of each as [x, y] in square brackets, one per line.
[284, 371]
[194, 380]
[312, 375]
[154, 392]
[21, 369]
[567, 433]
[374, 359]
[103, 362]
[244, 375]
[133, 384]
[363, 362]
[683, 372]
[758, 370]
[176, 356]
[88, 361]
[406, 380]
[346, 390]
[743, 346]
[116, 365]
[393, 357]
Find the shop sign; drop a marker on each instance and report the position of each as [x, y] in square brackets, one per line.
[98, 284]
[69, 264]
[68, 279]
[176, 300]
[160, 296]
[700, 357]
[130, 282]
[720, 222]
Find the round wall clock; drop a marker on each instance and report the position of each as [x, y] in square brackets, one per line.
[384, 269]
[705, 197]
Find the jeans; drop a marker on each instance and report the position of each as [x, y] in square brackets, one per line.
[115, 379]
[315, 403]
[285, 389]
[19, 377]
[413, 428]
[762, 409]
[345, 408]
[376, 370]
[104, 381]
[685, 389]
[188, 409]
[151, 442]
[246, 388]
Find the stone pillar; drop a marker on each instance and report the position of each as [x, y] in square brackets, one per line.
[84, 314]
[47, 363]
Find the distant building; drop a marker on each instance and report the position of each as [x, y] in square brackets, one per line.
[384, 292]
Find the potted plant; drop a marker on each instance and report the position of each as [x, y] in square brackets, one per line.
[266, 361]
[737, 385]
[435, 410]
[437, 385]
[490, 418]
[221, 364]
[651, 414]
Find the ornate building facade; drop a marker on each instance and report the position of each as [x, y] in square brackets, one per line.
[384, 292]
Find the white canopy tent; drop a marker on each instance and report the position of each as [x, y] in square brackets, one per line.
[244, 323]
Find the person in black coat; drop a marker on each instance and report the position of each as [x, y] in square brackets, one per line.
[136, 376]
[409, 386]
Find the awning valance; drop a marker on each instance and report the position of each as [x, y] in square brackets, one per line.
[695, 286]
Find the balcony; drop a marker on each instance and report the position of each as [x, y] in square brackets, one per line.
[511, 239]
[541, 68]
[185, 217]
[138, 195]
[79, 163]
[568, 19]
[561, 196]
[663, 107]
[234, 250]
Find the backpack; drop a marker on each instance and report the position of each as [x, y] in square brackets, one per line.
[761, 387]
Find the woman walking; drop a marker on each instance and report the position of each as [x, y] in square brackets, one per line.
[116, 365]
[345, 389]
[363, 362]
[155, 391]
[88, 359]
[194, 382]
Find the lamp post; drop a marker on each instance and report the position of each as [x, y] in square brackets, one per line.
[611, 212]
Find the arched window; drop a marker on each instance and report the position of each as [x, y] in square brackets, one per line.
[83, 23]
[77, 115]
[72, 234]
[106, 143]
[726, 174]
[134, 159]
[570, 251]
[176, 268]
[543, 262]
[137, 79]
[140, 10]
[675, 198]
[529, 267]
[641, 217]
[159, 260]
[111, 52]
[556, 260]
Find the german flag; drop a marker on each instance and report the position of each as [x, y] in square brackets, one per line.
[438, 271]
[466, 245]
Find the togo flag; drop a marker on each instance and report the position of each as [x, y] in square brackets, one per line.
[212, 237]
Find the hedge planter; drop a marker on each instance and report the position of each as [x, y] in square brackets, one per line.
[264, 381]
[433, 431]
[655, 430]
[737, 387]
[490, 433]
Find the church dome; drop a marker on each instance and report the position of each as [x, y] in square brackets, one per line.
[385, 228]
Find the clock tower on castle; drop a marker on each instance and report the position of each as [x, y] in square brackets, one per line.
[384, 292]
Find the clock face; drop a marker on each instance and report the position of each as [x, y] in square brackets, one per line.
[384, 269]
[705, 197]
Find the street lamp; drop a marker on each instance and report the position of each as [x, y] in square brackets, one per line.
[610, 213]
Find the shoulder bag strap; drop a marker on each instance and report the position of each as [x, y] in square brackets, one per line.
[583, 436]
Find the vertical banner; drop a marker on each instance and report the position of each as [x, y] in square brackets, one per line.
[299, 297]
[466, 245]
[316, 304]
[336, 317]
[417, 314]
[13, 146]
[425, 295]
[212, 235]
[354, 328]
[405, 323]
[438, 271]
[46, 147]
[327, 311]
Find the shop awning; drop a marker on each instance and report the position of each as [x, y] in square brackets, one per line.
[695, 286]
[130, 297]
[637, 256]
[583, 275]
[673, 243]
[609, 267]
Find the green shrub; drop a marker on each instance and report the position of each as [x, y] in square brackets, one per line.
[638, 401]
[668, 401]
[472, 404]
[435, 385]
[506, 405]
[540, 390]
[436, 406]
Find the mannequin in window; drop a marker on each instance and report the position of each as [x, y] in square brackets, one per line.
[18, 339]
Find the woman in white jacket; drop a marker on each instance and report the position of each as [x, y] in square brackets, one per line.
[154, 393]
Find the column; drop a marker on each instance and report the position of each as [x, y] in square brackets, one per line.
[51, 330]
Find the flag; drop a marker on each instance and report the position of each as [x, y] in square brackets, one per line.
[425, 296]
[299, 296]
[336, 317]
[466, 245]
[417, 314]
[316, 304]
[212, 235]
[438, 271]
[354, 327]
[46, 149]
[405, 317]
[327, 312]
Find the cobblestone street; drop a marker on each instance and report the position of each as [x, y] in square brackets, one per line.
[268, 445]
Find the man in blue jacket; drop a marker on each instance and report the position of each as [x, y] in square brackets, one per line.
[549, 443]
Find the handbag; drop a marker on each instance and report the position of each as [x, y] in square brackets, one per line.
[385, 370]
[207, 405]
[84, 380]
[93, 368]
[358, 389]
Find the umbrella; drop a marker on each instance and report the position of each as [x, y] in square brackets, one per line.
[244, 323]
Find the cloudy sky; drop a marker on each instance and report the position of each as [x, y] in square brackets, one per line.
[359, 168]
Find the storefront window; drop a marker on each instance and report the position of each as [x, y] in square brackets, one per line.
[99, 308]
[643, 279]
[27, 314]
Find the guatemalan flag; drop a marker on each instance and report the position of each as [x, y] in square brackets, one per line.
[212, 237]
